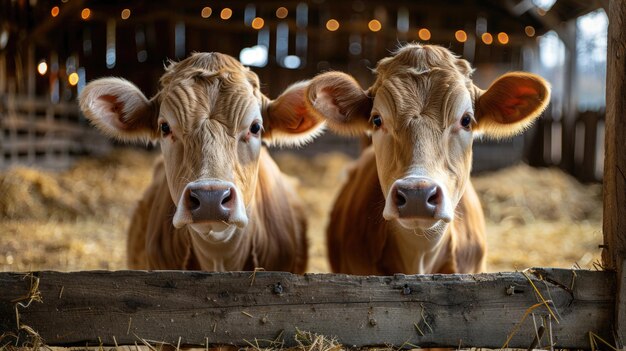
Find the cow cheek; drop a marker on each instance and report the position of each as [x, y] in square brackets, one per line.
[247, 167]
[459, 159]
[173, 154]
[386, 162]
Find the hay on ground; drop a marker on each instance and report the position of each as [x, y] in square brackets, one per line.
[77, 220]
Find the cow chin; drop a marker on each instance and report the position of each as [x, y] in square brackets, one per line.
[421, 223]
[216, 232]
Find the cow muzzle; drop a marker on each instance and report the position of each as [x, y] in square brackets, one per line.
[417, 202]
[212, 203]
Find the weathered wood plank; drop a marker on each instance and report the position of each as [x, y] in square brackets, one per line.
[229, 308]
[620, 306]
[614, 227]
[614, 183]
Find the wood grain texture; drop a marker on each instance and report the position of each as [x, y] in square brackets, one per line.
[614, 184]
[614, 191]
[229, 308]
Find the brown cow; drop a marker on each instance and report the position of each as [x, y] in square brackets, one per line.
[409, 206]
[217, 201]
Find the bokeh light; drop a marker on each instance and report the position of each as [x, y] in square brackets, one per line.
[258, 23]
[42, 67]
[374, 25]
[206, 12]
[73, 79]
[460, 36]
[85, 13]
[332, 25]
[282, 12]
[424, 34]
[503, 38]
[487, 38]
[226, 13]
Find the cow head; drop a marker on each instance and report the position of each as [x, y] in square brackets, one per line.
[423, 112]
[210, 118]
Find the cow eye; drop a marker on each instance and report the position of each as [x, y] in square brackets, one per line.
[466, 121]
[377, 120]
[165, 129]
[255, 128]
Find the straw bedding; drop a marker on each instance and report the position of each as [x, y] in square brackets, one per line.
[77, 220]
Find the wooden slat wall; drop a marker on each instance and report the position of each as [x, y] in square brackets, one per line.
[584, 136]
[454, 310]
[38, 133]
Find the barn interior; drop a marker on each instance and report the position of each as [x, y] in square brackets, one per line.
[68, 190]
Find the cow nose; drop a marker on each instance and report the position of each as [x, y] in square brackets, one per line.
[417, 198]
[213, 204]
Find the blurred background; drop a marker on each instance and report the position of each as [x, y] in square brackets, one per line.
[67, 192]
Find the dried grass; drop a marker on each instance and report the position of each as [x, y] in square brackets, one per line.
[77, 220]
[523, 195]
[73, 220]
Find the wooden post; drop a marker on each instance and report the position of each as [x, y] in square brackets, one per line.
[31, 92]
[614, 227]
[31, 71]
[570, 101]
[3, 73]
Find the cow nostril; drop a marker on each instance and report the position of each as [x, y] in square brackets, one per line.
[434, 198]
[400, 199]
[194, 201]
[227, 198]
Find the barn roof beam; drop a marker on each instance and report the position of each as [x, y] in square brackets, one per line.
[549, 20]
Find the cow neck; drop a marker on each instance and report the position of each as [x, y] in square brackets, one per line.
[220, 256]
[418, 254]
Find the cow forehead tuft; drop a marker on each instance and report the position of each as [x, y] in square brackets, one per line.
[208, 66]
[422, 59]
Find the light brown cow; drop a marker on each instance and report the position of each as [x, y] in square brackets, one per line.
[409, 206]
[218, 201]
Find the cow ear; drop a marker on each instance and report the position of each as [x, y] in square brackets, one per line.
[287, 121]
[511, 104]
[119, 109]
[340, 100]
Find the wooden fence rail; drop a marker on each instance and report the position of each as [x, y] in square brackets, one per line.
[263, 308]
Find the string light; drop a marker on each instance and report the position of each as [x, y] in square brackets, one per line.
[374, 25]
[55, 11]
[85, 13]
[226, 13]
[42, 67]
[530, 31]
[424, 34]
[460, 36]
[282, 12]
[332, 25]
[487, 38]
[73, 79]
[206, 12]
[503, 38]
[258, 23]
[125, 14]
